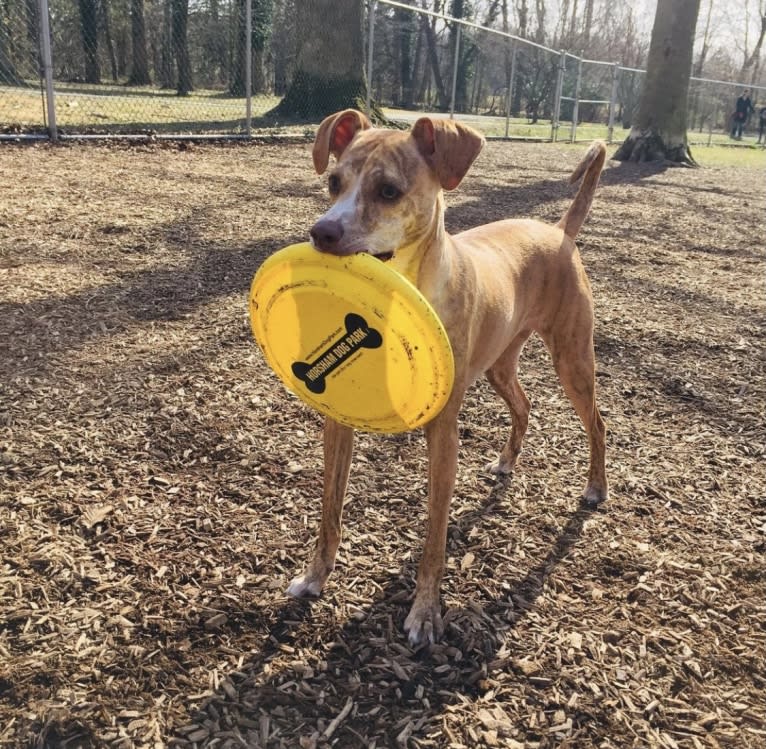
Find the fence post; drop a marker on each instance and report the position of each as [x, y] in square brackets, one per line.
[454, 73]
[249, 67]
[512, 77]
[576, 107]
[557, 102]
[370, 43]
[47, 59]
[613, 101]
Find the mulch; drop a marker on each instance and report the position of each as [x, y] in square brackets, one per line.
[159, 488]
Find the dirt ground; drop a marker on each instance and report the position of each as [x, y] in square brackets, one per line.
[159, 487]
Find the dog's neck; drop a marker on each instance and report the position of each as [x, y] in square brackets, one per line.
[424, 252]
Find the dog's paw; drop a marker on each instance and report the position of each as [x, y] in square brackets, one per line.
[423, 625]
[499, 467]
[304, 585]
[594, 495]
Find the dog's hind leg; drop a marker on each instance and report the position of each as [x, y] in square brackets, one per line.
[571, 347]
[338, 449]
[502, 375]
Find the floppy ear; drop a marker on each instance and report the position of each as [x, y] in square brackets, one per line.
[448, 147]
[334, 134]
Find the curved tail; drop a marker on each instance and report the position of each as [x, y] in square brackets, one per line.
[590, 166]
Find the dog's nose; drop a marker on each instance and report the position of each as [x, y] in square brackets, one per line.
[326, 234]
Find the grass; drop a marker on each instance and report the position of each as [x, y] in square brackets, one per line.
[129, 108]
[115, 108]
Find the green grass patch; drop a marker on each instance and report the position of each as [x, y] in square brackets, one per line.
[113, 108]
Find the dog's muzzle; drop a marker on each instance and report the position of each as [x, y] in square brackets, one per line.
[327, 236]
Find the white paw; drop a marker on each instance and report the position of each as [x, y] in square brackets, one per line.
[499, 467]
[303, 586]
[594, 495]
[423, 625]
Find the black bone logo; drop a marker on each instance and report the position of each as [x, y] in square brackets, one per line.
[358, 335]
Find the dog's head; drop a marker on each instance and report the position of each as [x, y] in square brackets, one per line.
[385, 184]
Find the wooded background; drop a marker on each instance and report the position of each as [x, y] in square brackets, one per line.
[138, 50]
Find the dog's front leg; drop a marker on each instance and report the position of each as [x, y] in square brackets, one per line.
[424, 622]
[338, 448]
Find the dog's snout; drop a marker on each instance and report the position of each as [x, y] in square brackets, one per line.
[327, 234]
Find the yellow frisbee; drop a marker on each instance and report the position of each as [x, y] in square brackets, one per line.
[352, 338]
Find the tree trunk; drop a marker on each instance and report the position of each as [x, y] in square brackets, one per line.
[698, 68]
[329, 72]
[417, 68]
[753, 59]
[239, 66]
[261, 28]
[659, 129]
[108, 38]
[139, 73]
[166, 47]
[522, 9]
[433, 59]
[9, 74]
[89, 34]
[403, 22]
[180, 15]
[587, 23]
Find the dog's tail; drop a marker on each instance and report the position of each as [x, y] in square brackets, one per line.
[590, 166]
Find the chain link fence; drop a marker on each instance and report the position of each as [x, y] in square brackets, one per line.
[22, 105]
[213, 67]
[143, 66]
[513, 87]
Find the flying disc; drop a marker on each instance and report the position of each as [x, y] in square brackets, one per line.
[351, 337]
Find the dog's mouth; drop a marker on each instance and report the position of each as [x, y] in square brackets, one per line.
[383, 256]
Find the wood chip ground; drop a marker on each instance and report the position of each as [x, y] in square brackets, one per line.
[159, 488]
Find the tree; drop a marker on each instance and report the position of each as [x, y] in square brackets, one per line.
[89, 35]
[107, 26]
[9, 74]
[180, 14]
[429, 28]
[329, 70]
[405, 24]
[752, 61]
[139, 71]
[261, 29]
[659, 129]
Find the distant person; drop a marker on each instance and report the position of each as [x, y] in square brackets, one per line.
[762, 125]
[742, 110]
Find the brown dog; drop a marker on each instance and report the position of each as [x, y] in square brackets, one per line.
[492, 287]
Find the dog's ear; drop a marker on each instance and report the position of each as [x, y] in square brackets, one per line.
[334, 135]
[448, 147]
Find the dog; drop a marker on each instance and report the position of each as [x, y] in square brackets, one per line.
[492, 286]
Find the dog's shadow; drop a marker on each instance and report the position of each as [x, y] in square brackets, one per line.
[360, 681]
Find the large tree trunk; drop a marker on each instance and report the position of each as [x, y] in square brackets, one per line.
[139, 72]
[180, 13]
[659, 129]
[89, 34]
[329, 72]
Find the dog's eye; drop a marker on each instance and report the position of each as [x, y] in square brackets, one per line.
[389, 192]
[333, 184]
